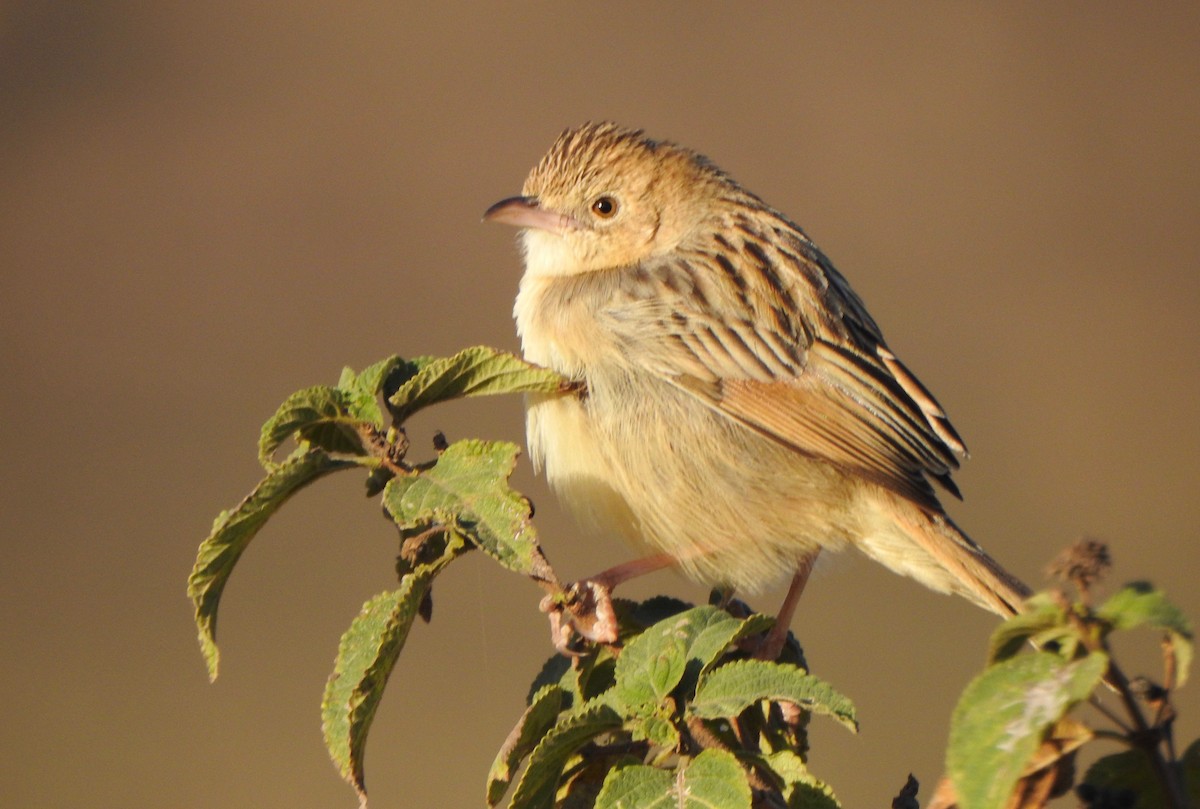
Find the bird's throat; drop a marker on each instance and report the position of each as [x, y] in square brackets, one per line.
[548, 254]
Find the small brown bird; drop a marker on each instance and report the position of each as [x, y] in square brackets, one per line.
[738, 409]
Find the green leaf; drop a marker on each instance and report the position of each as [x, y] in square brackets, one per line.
[677, 650]
[652, 664]
[656, 728]
[364, 388]
[330, 417]
[637, 786]
[712, 780]
[538, 784]
[711, 632]
[715, 779]
[1041, 613]
[468, 491]
[319, 415]
[232, 532]
[366, 656]
[596, 673]
[730, 689]
[1139, 603]
[582, 678]
[1130, 776]
[538, 718]
[802, 790]
[478, 371]
[371, 380]
[1132, 773]
[1002, 716]
[558, 670]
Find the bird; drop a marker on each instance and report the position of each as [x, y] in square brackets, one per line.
[734, 409]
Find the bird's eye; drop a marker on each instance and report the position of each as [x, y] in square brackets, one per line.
[605, 207]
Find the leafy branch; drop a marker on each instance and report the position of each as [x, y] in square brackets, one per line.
[1013, 735]
[678, 711]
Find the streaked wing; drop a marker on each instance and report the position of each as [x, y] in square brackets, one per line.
[794, 355]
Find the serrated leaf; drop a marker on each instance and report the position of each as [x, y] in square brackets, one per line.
[478, 371]
[715, 779]
[652, 664]
[402, 373]
[675, 651]
[597, 674]
[712, 632]
[232, 532]
[539, 783]
[557, 670]
[1132, 773]
[802, 790]
[656, 728]
[366, 656]
[1139, 603]
[730, 689]
[468, 490]
[329, 417]
[1002, 716]
[370, 380]
[581, 782]
[637, 786]
[1041, 613]
[538, 718]
[319, 415]
[363, 388]
[712, 780]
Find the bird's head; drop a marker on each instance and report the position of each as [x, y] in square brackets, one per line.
[606, 197]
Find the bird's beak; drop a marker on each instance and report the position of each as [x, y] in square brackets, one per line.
[526, 212]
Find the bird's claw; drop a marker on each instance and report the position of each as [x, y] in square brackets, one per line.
[585, 609]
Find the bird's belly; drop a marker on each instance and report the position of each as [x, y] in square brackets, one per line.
[638, 457]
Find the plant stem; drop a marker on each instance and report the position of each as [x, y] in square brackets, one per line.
[1148, 738]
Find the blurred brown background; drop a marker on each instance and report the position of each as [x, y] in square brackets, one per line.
[209, 205]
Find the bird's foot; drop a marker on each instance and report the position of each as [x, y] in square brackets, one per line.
[582, 609]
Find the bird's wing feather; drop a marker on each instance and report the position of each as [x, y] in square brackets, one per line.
[797, 359]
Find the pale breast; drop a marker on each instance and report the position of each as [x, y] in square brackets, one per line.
[558, 322]
[635, 455]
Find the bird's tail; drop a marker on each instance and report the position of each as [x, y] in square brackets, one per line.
[959, 564]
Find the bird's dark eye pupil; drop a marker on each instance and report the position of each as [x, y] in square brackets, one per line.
[605, 207]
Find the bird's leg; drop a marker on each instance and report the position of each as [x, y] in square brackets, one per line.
[589, 602]
[772, 644]
[618, 574]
